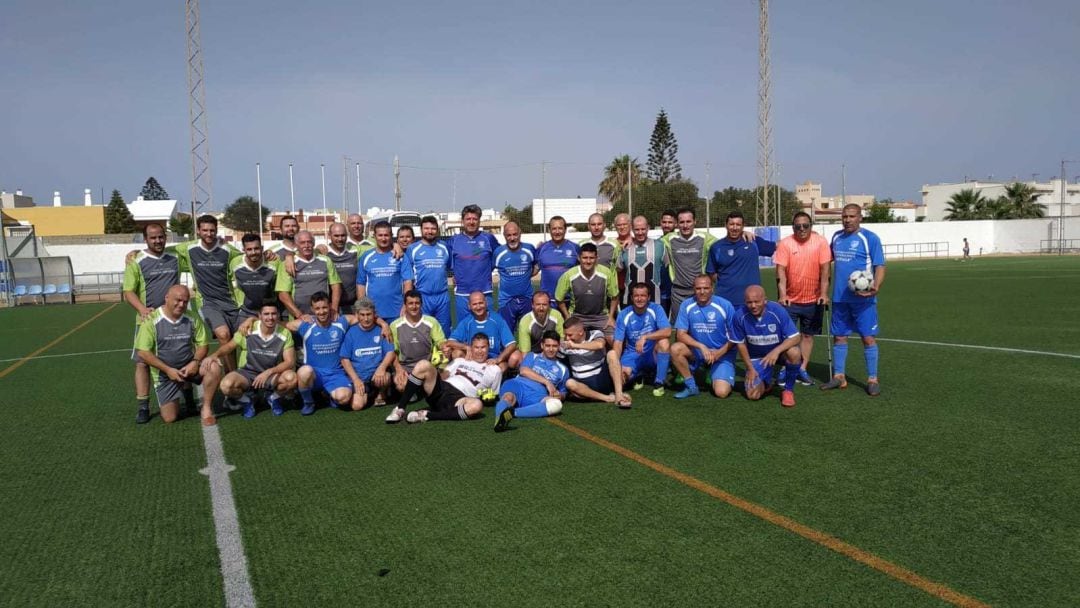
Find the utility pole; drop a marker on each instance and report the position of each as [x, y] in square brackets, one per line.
[543, 194]
[630, 187]
[258, 193]
[397, 184]
[197, 129]
[764, 112]
[708, 196]
[292, 193]
[359, 209]
[843, 185]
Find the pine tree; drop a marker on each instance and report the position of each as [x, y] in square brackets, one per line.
[663, 165]
[118, 218]
[152, 191]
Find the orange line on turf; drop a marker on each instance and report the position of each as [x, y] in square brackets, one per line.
[20, 362]
[900, 573]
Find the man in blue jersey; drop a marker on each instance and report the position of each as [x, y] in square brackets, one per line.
[383, 277]
[764, 332]
[556, 256]
[322, 371]
[472, 258]
[642, 343]
[502, 343]
[366, 356]
[428, 261]
[733, 260]
[855, 248]
[539, 390]
[703, 338]
[516, 263]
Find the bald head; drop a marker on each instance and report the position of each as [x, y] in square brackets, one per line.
[754, 297]
[356, 226]
[176, 301]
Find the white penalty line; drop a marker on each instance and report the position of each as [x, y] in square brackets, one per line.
[978, 347]
[234, 570]
[93, 352]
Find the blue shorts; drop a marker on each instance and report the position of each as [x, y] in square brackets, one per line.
[438, 305]
[461, 306]
[764, 372]
[527, 393]
[638, 364]
[860, 317]
[721, 369]
[330, 380]
[513, 309]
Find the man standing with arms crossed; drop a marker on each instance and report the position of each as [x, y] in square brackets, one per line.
[472, 258]
[802, 268]
[147, 278]
[855, 248]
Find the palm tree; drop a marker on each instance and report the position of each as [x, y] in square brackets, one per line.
[965, 205]
[1021, 201]
[614, 184]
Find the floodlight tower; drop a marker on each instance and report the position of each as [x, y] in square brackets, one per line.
[200, 136]
[764, 110]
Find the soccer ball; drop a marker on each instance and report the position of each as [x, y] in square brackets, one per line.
[554, 406]
[860, 281]
[487, 394]
[438, 359]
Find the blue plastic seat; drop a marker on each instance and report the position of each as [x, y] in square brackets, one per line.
[64, 288]
[20, 290]
[49, 290]
[35, 290]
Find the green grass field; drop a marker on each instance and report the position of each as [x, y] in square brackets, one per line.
[965, 472]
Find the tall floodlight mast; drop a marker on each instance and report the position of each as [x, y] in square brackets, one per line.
[764, 120]
[201, 191]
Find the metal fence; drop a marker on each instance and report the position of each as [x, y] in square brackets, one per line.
[917, 250]
[1059, 246]
[97, 286]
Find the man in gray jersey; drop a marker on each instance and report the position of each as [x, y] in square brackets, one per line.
[595, 373]
[254, 279]
[605, 247]
[147, 278]
[356, 233]
[344, 259]
[314, 273]
[593, 293]
[266, 362]
[174, 342]
[689, 253]
[416, 337]
[290, 226]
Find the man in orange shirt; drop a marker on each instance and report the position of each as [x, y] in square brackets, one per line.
[802, 267]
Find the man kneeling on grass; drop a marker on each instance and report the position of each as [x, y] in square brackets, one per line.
[539, 389]
[764, 332]
[265, 363]
[455, 393]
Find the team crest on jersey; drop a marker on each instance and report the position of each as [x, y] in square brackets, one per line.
[730, 252]
[854, 245]
[772, 327]
[710, 316]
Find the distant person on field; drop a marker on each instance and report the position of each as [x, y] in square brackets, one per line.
[855, 248]
[765, 335]
[802, 269]
[967, 251]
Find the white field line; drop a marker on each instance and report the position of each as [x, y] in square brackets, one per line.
[234, 570]
[93, 352]
[977, 347]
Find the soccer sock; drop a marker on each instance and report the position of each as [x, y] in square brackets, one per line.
[274, 399]
[144, 402]
[189, 396]
[663, 361]
[871, 354]
[458, 413]
[535, 410]
[690, 383]
[839, 358]
[411, 388]
[307, 396]
[792, 370]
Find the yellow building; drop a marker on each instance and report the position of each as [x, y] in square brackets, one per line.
[61, 221]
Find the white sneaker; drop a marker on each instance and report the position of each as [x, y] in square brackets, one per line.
[395, 415]
[416, 416]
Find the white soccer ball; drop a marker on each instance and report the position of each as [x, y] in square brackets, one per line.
[861, 281]
[554, 406]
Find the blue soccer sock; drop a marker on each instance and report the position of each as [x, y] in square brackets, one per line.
[663, 361]
[791, 374]
[839, 358]
[535, 410]
[690, 384]
[871, 354]
[307, 396]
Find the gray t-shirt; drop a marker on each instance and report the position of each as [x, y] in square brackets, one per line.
[415, 343]
[173, 342]
[345, 264]
[211, 273]
[254, 287]
[687, 259]
[258, 354]
[584, 363]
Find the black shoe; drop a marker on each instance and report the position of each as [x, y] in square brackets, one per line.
[143, 416]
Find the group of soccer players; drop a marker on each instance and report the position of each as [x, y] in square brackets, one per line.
[358, 323]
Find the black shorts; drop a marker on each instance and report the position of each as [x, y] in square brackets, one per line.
[808, 317]
[444, 397]
[600, 383]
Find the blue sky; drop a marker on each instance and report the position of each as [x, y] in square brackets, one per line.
[903, 93]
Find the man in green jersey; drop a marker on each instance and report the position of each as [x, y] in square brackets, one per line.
[266, 362]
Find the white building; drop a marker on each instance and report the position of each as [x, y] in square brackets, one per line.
[936, 196]
[573, 210]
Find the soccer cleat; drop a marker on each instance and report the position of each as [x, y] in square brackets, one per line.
[503, 416]
[804, 378]
[687, 392]
[873, 388]
[249, 410]
[230, 404]
[639, 385]
[416, 416]
[787, 399]
[836, 382]
[308, 409]
[143, 415]
[395, 415]
[276, 407]
[658, 390]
